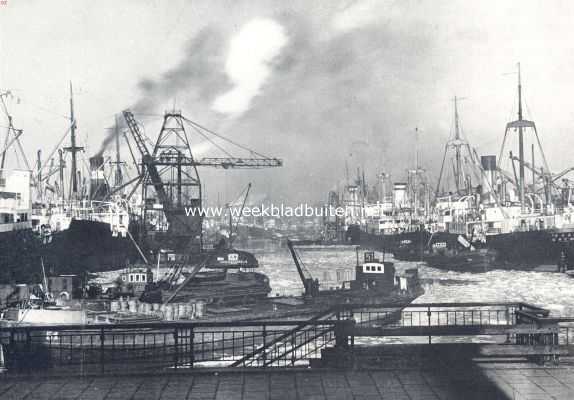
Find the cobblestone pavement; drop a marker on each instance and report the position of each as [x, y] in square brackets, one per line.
[484, 384]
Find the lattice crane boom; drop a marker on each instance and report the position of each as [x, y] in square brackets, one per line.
[136, 133]
[171, 170]
[147, 159]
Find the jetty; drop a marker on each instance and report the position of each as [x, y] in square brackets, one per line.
[444, 350]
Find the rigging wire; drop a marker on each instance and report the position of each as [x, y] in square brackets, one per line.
[240, 195]
[224, 138]
[44, 109]
[57, 147]
[211, 141]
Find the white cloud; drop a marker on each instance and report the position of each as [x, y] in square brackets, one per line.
[248, 63]
[356, 15]
[362, 13]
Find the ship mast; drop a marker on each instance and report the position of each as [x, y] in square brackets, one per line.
[414, 181]
[73, 149]
[61, 173]
[118, 162]
[520, 126]
[457, 147]
[520, 143]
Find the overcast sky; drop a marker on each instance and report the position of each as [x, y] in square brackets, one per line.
[316, 83]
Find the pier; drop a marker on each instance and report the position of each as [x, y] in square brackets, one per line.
[446, 351]
[503, 382]
[331, 339]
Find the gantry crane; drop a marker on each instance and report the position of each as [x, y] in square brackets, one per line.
[171, 186]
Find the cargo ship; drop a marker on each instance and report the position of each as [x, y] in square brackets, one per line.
[504, 223]
[95, 224]
[18, 243]
[395, 223]
[81, 224]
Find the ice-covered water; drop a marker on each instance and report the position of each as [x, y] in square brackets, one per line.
[554, 291]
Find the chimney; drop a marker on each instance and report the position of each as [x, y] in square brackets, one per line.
[489, 181]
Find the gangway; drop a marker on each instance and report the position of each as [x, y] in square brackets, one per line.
[275, 352]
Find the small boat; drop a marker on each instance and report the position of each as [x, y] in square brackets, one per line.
[40, 308]
[43, 315]
[224, 276]
[376, 282]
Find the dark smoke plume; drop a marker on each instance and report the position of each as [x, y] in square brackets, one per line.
[326, 91]
[369, 85]
[200, 73]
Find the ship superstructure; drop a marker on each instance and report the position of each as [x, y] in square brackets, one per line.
[395, 218]
[512, 219]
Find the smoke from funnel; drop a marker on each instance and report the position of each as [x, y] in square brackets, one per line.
[199, 72]
[327, 89]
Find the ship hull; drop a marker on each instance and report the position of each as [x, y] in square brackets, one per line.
[87, 246]
[19, 256]
[527, 251]
[405, 246]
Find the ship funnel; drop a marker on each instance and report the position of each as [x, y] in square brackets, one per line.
[99, 188]
[489, 179]
[400, 195]
[96, 162]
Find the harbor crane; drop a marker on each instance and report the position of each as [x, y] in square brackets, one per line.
[172, 191]
[310, 285]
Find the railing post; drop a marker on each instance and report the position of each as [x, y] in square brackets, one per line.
[264, 355]
[176, 346]
[11, 346]
[429, 322]
[28, 349]
[344, 330]
[191, 346]
[341, 356]
[293, 344]
[102, 349]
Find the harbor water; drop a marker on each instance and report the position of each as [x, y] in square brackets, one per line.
[551, 290]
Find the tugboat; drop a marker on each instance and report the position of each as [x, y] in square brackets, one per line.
[376, 283]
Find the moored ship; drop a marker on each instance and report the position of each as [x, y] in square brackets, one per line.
[505, 223]
[18, 244]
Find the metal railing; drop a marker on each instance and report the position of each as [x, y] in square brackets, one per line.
[169, 346]
[435, 314]
[166, 346]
